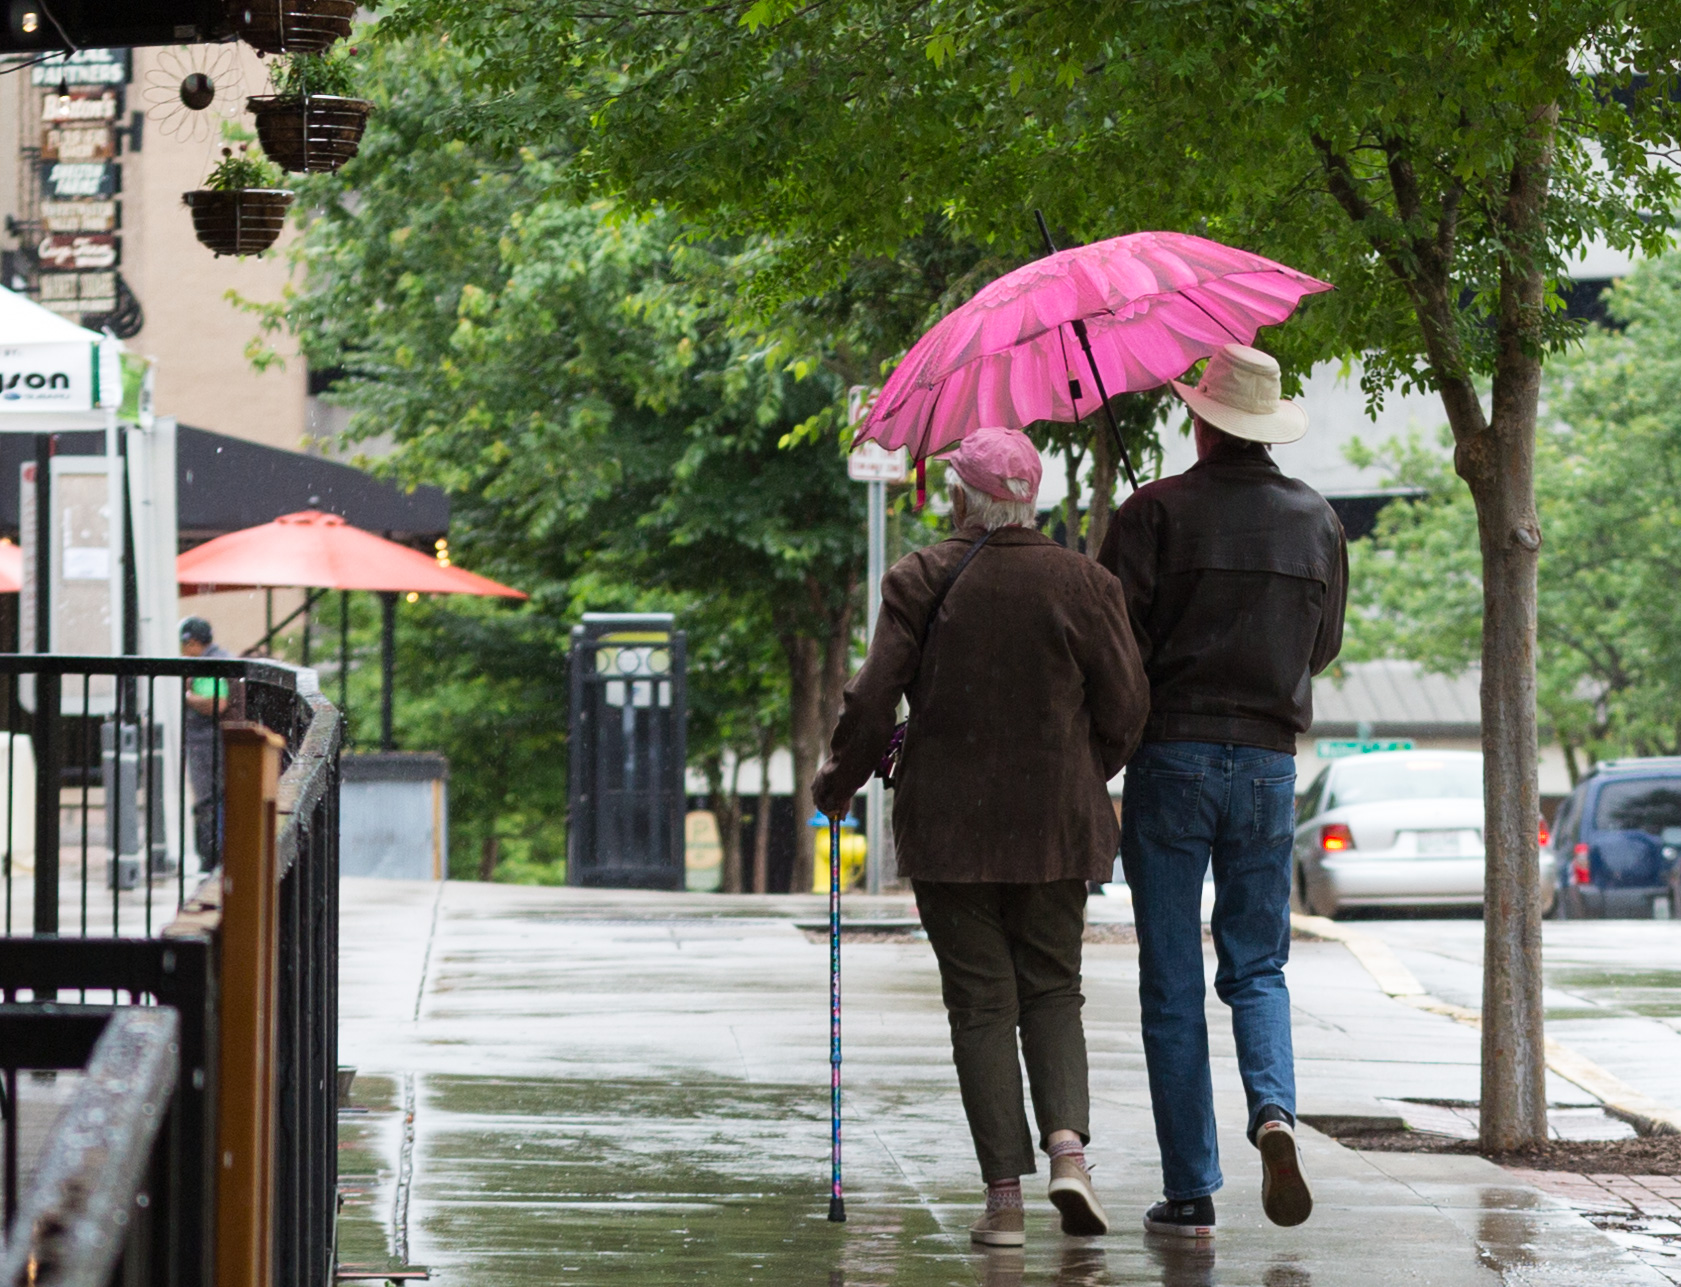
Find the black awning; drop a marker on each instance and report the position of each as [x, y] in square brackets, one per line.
[225, 484]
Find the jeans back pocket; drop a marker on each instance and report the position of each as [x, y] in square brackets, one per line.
[1166, 802]
[1275, 810]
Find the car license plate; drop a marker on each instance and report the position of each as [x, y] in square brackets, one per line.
[1438, 842]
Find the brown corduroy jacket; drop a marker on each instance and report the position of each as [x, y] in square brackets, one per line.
[1031, 698]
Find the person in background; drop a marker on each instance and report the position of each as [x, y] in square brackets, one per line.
[1026, 696]
[207, 702]
[1235, 578]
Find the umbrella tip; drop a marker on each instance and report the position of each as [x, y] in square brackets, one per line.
[837, 1210]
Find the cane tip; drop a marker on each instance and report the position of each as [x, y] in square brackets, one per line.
[837, 1210]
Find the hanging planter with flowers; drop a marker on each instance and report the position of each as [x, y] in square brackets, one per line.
[242, 208]
[291, 26]
[310, 122]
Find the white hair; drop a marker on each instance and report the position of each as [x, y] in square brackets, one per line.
[990, 512]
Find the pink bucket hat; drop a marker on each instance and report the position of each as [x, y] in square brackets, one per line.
[988, 456]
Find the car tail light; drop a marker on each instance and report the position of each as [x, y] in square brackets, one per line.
[1335, 837]
[1545, 834]
[1579, 874]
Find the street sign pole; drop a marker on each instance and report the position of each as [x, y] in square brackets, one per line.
[875, 466]
[875, 797]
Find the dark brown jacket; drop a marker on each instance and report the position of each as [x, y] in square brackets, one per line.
[1235, 578]
[1031, 699]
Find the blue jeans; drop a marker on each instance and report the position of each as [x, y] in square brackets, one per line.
[1183, 803]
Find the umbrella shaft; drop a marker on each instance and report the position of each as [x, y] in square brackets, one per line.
[1085, 343]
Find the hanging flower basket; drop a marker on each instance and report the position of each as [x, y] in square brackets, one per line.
[291, 26]
[304, 132]
[243, 221]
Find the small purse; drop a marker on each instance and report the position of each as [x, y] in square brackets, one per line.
[888, 769]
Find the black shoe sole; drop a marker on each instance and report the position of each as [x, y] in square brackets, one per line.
[1287, 1199]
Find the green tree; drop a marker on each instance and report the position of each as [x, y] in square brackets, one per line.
[1608, 463]
[1437, 161]
[609, 439]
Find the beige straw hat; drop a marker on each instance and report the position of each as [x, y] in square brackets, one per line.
[1239, 393]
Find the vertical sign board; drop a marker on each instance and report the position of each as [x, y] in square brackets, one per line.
[86, 578]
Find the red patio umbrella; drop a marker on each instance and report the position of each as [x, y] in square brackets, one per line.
[316, 551]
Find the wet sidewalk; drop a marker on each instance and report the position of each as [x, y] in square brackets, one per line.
[563, 1086]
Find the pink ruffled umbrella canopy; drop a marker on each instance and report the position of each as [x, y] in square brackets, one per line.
[1153, 303]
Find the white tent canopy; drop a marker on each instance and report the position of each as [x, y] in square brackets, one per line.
[53, 371]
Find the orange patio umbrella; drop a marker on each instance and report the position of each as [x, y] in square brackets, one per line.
[315, 551]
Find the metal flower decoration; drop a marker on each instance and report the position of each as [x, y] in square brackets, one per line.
[191, 89]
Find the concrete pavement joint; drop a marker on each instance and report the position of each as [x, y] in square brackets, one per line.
[1639, 1110]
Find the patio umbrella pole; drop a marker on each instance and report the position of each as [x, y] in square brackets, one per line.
[1091, 360]
[344, 661]
[387, 665]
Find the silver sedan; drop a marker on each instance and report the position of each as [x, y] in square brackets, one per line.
[1394, 829]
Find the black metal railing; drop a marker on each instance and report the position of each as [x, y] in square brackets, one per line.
[107, 842]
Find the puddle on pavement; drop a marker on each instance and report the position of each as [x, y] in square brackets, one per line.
[1655, 994]
[522, 1181]
[370, 1137]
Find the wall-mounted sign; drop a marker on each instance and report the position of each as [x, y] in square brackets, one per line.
[45, 377]
[79, 216]
[78, 250]
[79, 143]
[84, 67]
[79, 178]
[76, 293]
[80, 105]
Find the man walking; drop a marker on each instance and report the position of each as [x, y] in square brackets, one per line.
[1235, 578]
[207, 706]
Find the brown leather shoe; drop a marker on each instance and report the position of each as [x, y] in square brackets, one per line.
[1005, 1228]
[1072, 1194]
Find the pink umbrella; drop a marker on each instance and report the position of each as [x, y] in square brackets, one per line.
[1140, 309]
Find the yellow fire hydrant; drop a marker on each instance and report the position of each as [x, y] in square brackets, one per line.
[854, 850]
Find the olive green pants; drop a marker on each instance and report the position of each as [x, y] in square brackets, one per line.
[1010, 958]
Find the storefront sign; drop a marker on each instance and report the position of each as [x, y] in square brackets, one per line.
[80, 105]
[79, 178]
[84, 67]
[73, 294]
[79, 216]
[79, 143]
[82, 250]
[46, 377]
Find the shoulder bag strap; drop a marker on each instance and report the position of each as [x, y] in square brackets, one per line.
[940, 598]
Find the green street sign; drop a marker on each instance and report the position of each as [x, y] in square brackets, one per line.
[1328, 748]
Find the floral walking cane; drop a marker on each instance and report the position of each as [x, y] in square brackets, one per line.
[837, 1204]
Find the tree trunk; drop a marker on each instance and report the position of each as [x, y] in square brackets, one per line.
[1071, 506]
[725, 804]
[489, 851]
[1103, 467]
[761, 818]
[805, 719]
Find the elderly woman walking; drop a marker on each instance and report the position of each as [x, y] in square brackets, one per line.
[1026, 696]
